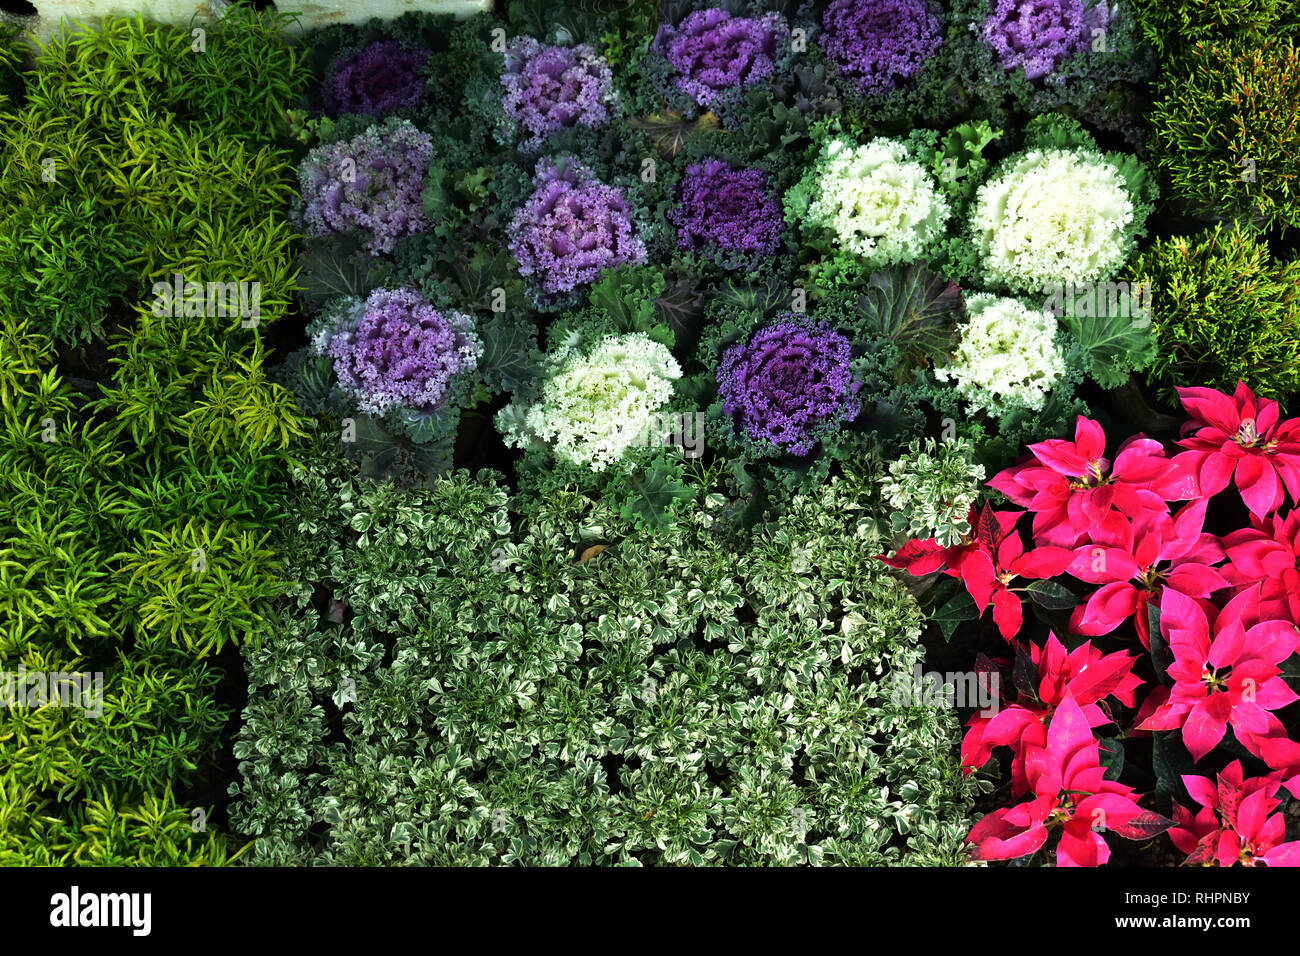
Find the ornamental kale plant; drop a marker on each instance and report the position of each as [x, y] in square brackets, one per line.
[594, 407]
[570, 229]
[1038, 36]
[369, 185]
[881, 44]
[727, 214]
[713, 52]
[788, 384]
[1027, 58]
[882, 65]
[551, 88]
[873, 200]
[402, 352]
[376, 80]
[1009, 356]
[1057, 214]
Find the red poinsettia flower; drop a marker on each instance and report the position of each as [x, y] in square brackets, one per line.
[1269, 554]
[1239, 437]
[999, 558]
[1069, 793]
[1085, 675]
[1276, 748]
[1228, 679]
[1137, 560]
[987, 565]
[1236, 822]
[1071, 487]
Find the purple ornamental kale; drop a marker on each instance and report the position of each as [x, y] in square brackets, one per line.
[1041, 34]
[370, 183]
[789, 384]
[571, 228]
[377, 79]
[727, 209]
[712, 51]
[550, 88]
[881, 44]
[403, 352]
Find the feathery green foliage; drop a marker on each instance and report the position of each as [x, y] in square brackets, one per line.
[1226, 131]
[1223, 311]
[136, 507]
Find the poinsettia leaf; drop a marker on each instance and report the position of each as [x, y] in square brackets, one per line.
[1103, 678]
[988, 675]
[960, 607]
[1203, 855]
[917, 557]
[945, 588]
[1170, 761]
[1142, 827]
[1291, 672]
[1249, 761]
[988, 532]
[1161, 656]
[1051, 595]
[1024, 674]
[1111, 754]
[1229, 801]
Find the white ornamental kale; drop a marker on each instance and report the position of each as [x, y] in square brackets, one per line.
[877, 201]
[1053, 216]
[1008, 357]
[593, 407]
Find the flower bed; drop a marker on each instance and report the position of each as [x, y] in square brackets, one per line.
[568, 435]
